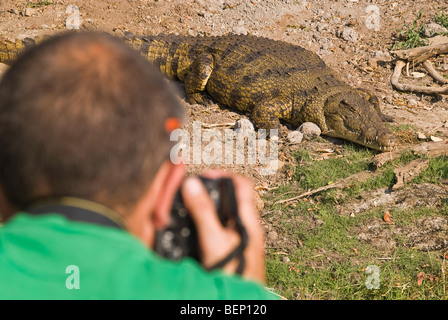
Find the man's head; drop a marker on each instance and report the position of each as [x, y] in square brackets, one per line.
[83, 115]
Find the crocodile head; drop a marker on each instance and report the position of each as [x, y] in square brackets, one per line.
[353, 117]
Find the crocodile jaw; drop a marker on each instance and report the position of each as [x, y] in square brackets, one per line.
[359, 122]
[384, 142]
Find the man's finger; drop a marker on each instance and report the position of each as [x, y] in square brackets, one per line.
[201, 207]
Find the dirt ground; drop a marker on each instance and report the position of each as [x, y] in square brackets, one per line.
[352, 36]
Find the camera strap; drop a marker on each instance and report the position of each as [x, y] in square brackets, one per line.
[76, 209]
[238, 252]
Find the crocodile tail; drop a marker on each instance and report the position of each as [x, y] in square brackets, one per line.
[9, 50]
[173, 55]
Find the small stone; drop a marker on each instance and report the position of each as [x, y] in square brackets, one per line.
[433, 29]
[244, 125]
[436, 139]
[239, 30]
[310, 130]
[373, 62]
[286, 259]
[295, 137]
[192, 33]
[418, 75]
[207, 15]
[272, 235]
[349, 35]
[13, 11]
[421, 136]
[412, 102]
[321, 27]
[28, 12]
[382, 55]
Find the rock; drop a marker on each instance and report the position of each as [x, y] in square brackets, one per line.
[433, 29]
[322, 26]
[349, 35]
[412, 102]
[310, 130]
[418, 75]
[436, 139]
[272, 235]
[295, 137]
[286, 260]
[239, 30]
[373, 63]
[380, 55]
[244, 125]
[421, 136]
[28, 12]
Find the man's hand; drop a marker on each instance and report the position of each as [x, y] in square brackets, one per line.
[217, 241]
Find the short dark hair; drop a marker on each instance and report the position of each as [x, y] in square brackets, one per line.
[82, 114]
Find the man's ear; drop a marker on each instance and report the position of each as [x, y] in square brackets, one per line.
[152, 211]
[170, 184]
[6, 209]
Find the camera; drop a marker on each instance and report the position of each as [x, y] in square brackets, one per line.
[180, 239]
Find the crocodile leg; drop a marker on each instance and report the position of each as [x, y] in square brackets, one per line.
[268, 114]
[197, 77]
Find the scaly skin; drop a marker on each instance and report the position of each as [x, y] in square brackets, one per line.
[272, 80]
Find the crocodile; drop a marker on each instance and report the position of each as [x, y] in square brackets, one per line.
[272, 81]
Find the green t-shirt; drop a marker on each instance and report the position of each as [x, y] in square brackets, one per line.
[50, 257]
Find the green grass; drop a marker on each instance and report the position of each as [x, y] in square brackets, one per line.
[328, 260]
[441, 18]
[436, 172]
[332, 265]
[38, 4]
[411, 36]
[314, 174]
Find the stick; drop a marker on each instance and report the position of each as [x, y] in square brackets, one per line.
[360, 176]
[214, 125]
[420, 54]
[412, 88]
[403, 174]
[433, 149]
[429, 67]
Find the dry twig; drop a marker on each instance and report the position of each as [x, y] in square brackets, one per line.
[417, 56]
[360, 176]
[433, 149]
